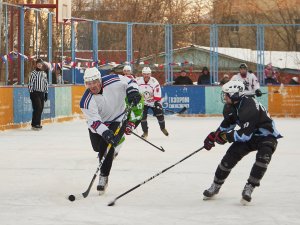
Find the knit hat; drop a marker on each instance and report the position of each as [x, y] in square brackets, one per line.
[39, 60]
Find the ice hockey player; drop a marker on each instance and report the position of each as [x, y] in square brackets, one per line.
[150, 89]
[257, 133]
[250, 81]
[134, 119]
[103, 105]
[128, 72]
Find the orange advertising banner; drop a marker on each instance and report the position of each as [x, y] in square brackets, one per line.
[6, 107]
[77, 92]
[284, 101]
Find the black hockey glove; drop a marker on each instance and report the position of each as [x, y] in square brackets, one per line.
[109, 137]
[46, 97]
[258, 93]
[133, 96]
[157, 105]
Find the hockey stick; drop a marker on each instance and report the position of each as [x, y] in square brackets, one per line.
[144, 182]
[161, 148]
[179, 112]
[86, 193]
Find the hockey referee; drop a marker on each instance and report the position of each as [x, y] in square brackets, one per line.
[38, 88]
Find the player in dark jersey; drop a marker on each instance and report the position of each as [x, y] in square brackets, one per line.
[257, 133]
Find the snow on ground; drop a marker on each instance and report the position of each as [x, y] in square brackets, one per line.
[38, 170]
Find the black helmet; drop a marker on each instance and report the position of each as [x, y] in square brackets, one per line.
[243, 66]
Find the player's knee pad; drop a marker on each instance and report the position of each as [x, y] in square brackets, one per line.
[264, 155]
[229, 161]
[160, 118]
[265, 150]
[158, 112]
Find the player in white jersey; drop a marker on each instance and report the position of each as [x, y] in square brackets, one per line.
[128, 72]
[250, 81]
[251, 87]
[151, 91]
[103, 105]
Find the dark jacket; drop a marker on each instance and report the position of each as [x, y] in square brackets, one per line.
[251, 117]
[182, 80]
[270, 80]
[204, 78]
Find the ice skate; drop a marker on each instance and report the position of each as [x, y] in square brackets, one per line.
[246, 194]
[102, 185]
[145, 135]
[164, 130]
[210, 192]
[36, 127]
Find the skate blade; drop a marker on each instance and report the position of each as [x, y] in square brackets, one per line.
[36, 129]
[101, 192]
[244, 202]
[205, 198]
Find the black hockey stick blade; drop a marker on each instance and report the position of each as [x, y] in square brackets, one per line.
[179, 112]
[182, 110]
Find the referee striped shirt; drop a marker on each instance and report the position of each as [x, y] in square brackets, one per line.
[38, 81]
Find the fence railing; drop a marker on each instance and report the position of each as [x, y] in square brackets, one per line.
[27, 34]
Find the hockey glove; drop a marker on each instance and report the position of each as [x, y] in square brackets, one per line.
[157, 105]
[258, 93]
[220, 138]
[133, 96]
[109, 137]
[129, 127]
[46, 97]
[209, 141]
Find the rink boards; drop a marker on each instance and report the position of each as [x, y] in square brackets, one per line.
[63, 103]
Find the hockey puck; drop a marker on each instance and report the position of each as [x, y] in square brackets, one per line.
[71, 198]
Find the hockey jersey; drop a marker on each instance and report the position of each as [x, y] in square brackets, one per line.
[150, 90]
[250, 81]
[252, 118]
[109, 105]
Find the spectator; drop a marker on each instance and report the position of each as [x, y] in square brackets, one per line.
[205, 77]
[183, 79]
[269, 78]
[58, 75]
[225, 79]
[294, 81]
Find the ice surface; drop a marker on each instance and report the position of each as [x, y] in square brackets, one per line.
[38, 170]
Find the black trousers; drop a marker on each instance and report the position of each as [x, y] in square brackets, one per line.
[265, 147]
[37, 99]
[157, 112]
[99, 145]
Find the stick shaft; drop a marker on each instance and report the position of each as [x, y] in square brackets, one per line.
[161, 149]
[144, 182]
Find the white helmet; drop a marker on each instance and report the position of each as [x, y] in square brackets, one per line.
[234, 89]
[91, 74]
[146, 70]
[127, 67]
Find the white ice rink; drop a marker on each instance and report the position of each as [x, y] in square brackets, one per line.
[38, 170]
